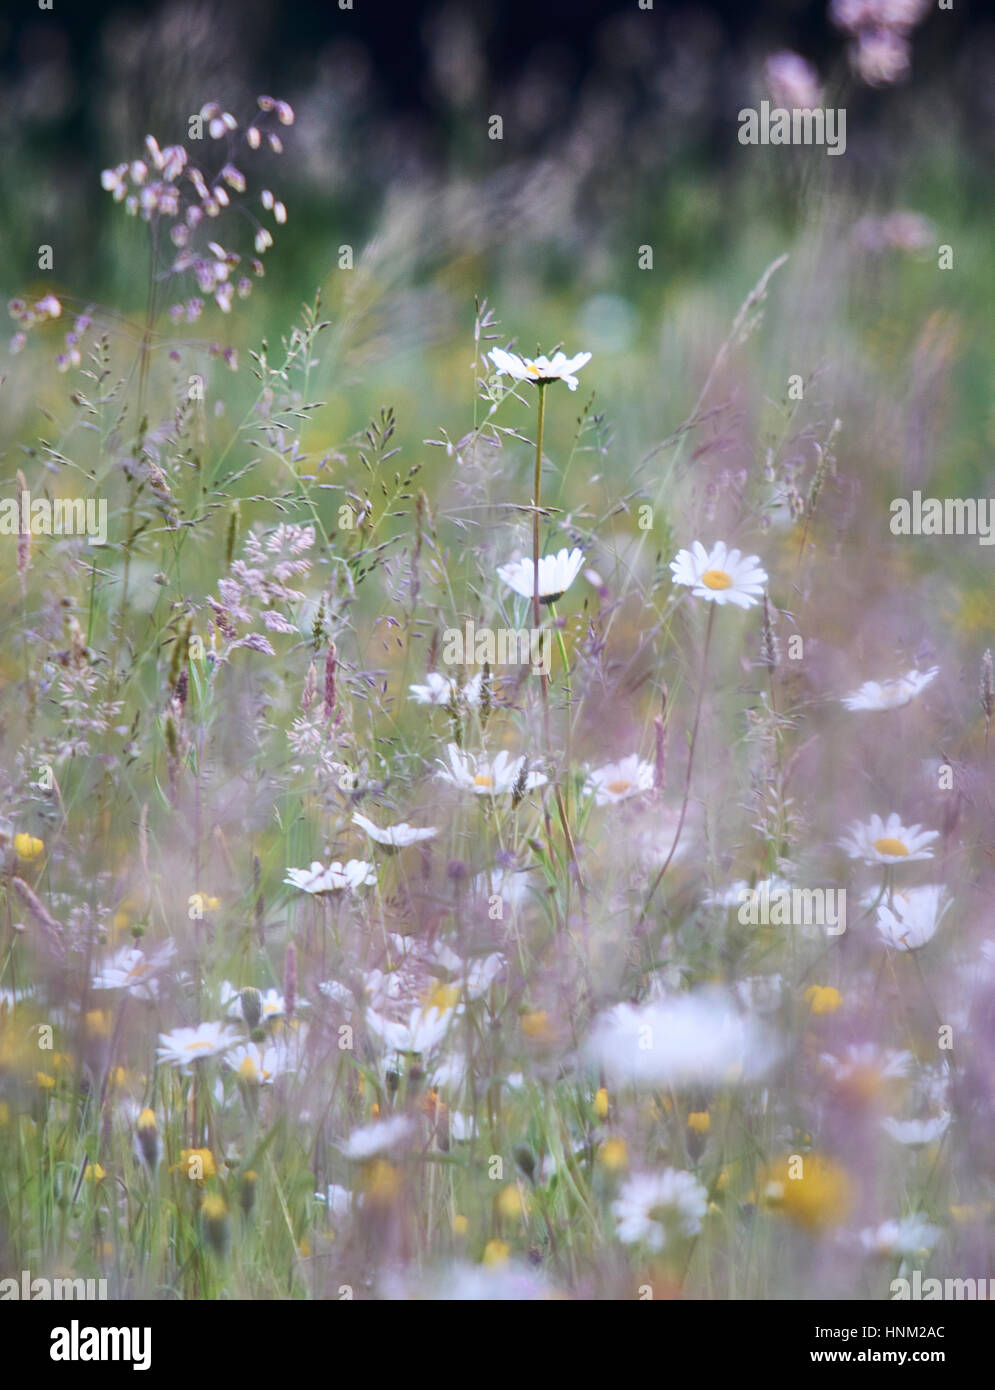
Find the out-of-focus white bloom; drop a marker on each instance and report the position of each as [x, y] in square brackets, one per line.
[10, 998]
[378, 987]
[444, 690]
[271, 1003]
[652, 1207]
[357, 873]
[867, 1065]
[274, 1005]
[735, 894]
[130, 969]
[336, 1200]
[395, 836]
[421, 1033]
[184, 1046]
[512, 886]
[906, 1236]
[556, 574]
[260, 1065]
[462, 1128]
[720, 575]
[888, 842]
[793, 82]
[475, 976]
[917, 1133]
[890, 694]
[912, 917]
[694, 1039]
[379, 1137]
[460, 1282]
[486, 778]
[540, 370]
[618, 781]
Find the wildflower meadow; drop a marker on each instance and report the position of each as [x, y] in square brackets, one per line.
[496, 675]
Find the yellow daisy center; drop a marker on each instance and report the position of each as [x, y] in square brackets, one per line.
[196, 1046]
[618, 787]
[532, 369]
[481, 780]
[442, 996]
[716, 579]
[896, 848]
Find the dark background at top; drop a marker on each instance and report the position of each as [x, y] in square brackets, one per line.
[654, 93]
[285, 36]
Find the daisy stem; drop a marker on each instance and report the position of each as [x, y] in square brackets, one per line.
[536, 494]
[536, 619]
[877, 900]
[687, 776]
[563, 658]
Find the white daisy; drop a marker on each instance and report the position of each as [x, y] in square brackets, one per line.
[556, 574]
[903, 1237]
[888, 842]
[444, 690]
[917, 1133]
[890, 694]
[270, 1002]
[132, 970]
[695, 1039]
[652, 1206]
[273, 1004]
[618, 781]
[377, 1138]
[540, 370]
[422, 1032]
[720, 575]
[513, 886]
[484, 777]
[396, 836]
[475, 975]
[867, 1066]
[379, 987]
[184, 1046]
[357, 873]
[912, 917]
[254, 1064]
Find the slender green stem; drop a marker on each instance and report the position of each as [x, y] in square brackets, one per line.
[687, 778]
[536, 619]
[536, 495]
